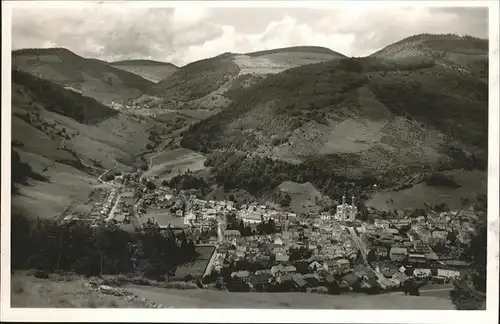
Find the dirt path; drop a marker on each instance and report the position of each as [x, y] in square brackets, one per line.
[166, 143]
[204, 298]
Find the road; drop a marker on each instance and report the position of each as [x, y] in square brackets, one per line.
[111, 214]
[358, 242]
[210, 264]
[384, 282]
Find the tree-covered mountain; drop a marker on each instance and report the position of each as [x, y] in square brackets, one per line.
[91, 77]
[383, 117]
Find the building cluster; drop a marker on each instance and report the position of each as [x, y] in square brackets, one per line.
[99, 211]
[320, 250]
[400, 248]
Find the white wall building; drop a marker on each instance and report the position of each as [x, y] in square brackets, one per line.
[326, 216]
[346, 212]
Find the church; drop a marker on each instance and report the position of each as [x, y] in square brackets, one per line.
[346, 212]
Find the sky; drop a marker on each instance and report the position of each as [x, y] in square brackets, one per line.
[187, 33]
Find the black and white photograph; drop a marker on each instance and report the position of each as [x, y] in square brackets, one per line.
[247, 156]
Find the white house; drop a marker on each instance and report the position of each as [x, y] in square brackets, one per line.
[420, 272]
[448, 273]
[381, 223]
[250, 216]
[211, 213]
[189, 218]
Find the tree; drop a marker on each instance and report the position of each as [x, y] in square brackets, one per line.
[470, 292]
[452, 237]
[481, 203]
[150, 185]
[232, 221]
[284, 199]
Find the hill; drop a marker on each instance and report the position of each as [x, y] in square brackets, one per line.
[203, 84]
[63, 140]
[198, 79]
[59, 100]
[363, 120]
[465, 54]
[91, 77]
[142, 62]
[64, 291]
[153, 71]
[299, 49]
[281, 59]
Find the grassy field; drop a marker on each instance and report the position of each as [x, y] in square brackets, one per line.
[152, 71]
[197, 267]
[198, 298]
[61, 292]
[303, 196]
[473, 182]
[49, 199]
[68, 291]
[163, 217]
[54, 144]
[168, 164]
[271, 63]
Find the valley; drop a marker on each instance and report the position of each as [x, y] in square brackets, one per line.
[266, 106]
[251, 157]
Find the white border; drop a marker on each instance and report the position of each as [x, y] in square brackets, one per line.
[260, 316]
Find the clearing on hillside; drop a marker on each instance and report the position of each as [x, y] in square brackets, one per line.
[168, 164]
[305, 197]
[472, 182]
[153, 71]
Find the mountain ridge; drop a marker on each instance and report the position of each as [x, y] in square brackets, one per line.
[339, 117]
[92, 77]
[406, 110]
[153, 71]
[308, 49]
[143, 61]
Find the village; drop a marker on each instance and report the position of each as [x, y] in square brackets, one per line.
[257, 247]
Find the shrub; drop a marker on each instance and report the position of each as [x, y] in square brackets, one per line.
[40, 274]
[180, 285]
[441, 180]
